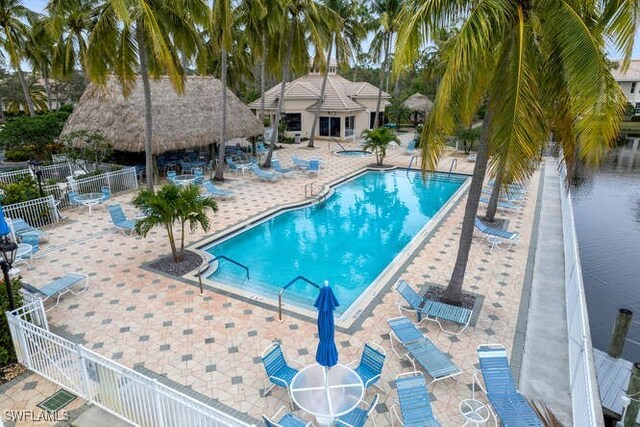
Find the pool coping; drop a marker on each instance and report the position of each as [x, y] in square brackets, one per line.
[423, 237]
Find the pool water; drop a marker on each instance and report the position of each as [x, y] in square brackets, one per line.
[348, 240]
[354, 153]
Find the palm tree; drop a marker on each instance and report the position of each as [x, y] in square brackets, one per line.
[347, 34]
[14, 33]
[378, 140]
[171, 204]
[144, 37]
[38, 49]
[14, 101]
[534, 78]
[388, 23]
[70, 23]
[308, 23]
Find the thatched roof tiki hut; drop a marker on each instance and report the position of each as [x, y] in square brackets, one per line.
[420, 106]
[188, 120]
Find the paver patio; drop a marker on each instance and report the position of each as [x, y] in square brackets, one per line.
[211, 344]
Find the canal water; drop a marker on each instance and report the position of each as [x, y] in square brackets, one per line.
[606, 205]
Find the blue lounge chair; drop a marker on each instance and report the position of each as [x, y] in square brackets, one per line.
[73, 199]
[314, 167]
[413, 400]
[278, 168]
[503, 204]
[515, 188]
[232, 166]
[171, 175]
[512, 408]
[264, 175]
[120, 221]
[287, 420]
[498, 232]
[59, 287]
[507, 196]
[199, 174]
[371, 363]
[434, 310]
[358, 416]
[300, 163]
[421, 349]
[211, 190]
[106, 193]
[278, 370]
[20, 227]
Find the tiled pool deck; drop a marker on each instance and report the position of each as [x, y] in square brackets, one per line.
[212, 344]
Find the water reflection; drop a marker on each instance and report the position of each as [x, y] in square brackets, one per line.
[607, 213]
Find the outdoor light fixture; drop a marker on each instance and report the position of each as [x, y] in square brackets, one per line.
[8, 250]
[36, 167]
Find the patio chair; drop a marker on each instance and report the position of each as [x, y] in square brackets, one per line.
[278, 168]
[264, 175]
[171, 174]
[287, 420]
[500, 388]
[300, 163]
[358, 416]
[503, 204]
[371, 363]
[232, 166]
[421, 349]
[472, 157]
[314, 167]
[414, 402]
[199, 174]
[506, 195]
[211, 190]
[21, 227]
[433, 310]
[106, 193]
[509, 236]
[278, 370]
[120, 221]
[59, 287]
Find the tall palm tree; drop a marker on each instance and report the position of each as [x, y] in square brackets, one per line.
[539, 66]
[388, 24]
[38, 49]
[13, 18]
[140, 36]
[70, 23]
[347, 34]
[309, 23]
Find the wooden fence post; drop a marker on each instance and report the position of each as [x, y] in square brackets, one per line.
[620, 332]
[633, 392]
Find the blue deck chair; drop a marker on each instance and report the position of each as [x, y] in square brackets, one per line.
[264, 175]
[21, 227]
[106, 193]
[512, 408]
[232, 166]
[211, 190]
[371, 363]
[414, 402]
[278, 370]
[509, 236]
[278, 168]
[507, 196]
[300, 163]
[314, 167]
[59, 287]
[515, 188]
[120, 221]
[503, 204]
[433, 310]
[171, 174]
[358, 416]
[73, 199]
[286, 420]
[421, 349]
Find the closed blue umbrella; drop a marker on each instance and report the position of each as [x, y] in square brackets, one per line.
[327, 353]
[4, 228]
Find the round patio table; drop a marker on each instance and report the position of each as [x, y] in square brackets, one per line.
[90, 199]
[330, 397]
[184, 179]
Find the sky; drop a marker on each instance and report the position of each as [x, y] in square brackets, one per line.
[39, 5]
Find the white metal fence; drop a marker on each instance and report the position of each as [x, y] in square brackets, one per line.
[37, 212]
[57, 171]
[585, 396]
[103, 382]
[13, 176]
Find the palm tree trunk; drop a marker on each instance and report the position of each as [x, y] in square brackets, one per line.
[453, 293]
[223, 126]
[492, 207]
[263, 73]
[383, 69]
[285, 77]
[172, 242]
[322, 91]
[386, 86]
[47, 88]
[25, 91]
[182, 238]
[144, 73]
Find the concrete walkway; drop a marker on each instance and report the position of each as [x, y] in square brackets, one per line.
[545, 365]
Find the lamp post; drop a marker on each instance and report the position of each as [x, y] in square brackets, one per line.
[36, 167]
[8, 250]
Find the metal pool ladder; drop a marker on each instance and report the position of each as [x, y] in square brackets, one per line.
[205, 267]
[315, 191]
[454, 164]
[284, 288]
[337, 142]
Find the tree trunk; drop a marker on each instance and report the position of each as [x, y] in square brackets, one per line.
[492, 207]
[388, 75]
[47, 88]
[223, 126]
[285, 77]
[383, 69]
[322, 91]
[453, 293]
[144, 73]
[172, 242]
[263, 73]
[182, 238]
[25, 91]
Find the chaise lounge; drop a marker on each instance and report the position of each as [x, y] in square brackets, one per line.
[509, 236]
[413, 400]
[58, 287]
[211, 190]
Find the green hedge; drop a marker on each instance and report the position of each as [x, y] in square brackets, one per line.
[27, 137]
[7, 353]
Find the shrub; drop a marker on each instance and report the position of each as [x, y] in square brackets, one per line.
[20, 190]
[7, 353]
[17, 155]
[36, 135]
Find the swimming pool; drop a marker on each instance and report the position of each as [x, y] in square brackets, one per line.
[353, 153]
[348, 240]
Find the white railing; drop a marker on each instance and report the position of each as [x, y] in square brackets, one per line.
[37, 212]
[113, 387]
[57, 171]
[585, 396]
[13, 176]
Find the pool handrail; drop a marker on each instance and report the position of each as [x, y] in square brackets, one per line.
[330, 140]
[284, 288]
[204, 267]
